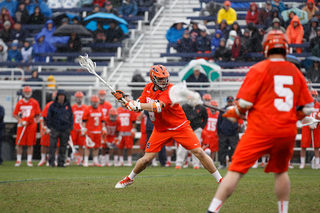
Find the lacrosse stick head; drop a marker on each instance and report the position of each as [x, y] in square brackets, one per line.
[181, 94]
[89, 142]
[307, 121]
[87, 63]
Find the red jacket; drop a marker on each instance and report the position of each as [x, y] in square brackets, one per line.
[252, 16]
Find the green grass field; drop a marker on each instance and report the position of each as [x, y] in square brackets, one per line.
[79, 189]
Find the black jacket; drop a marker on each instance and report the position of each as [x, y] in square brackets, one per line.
[225, 126]
[198, 115]
[115, 33]
[60, 116]
[203, 44]
[222, 52]
[185, 45]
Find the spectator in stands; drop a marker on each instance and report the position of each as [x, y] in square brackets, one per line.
[11, 6]
[18, 33]
[227, 13]
[198, 77]
[236, 27]
[314, 41]
[212, 8]
[22, 14]
[34, 78]
[26, 51]
[310, 8]
[313, 74]
[290, 16]
[6, 17]
[45, 10]
[195, 31]
[95, 9]
[99, 2]
[274, 14]
[151, 8]
[73, 45]
[252, 14]
[48, 31]
[224, 28]
[175, 32]
[5, 32]
[109, 8]
[203, 43]
[279, 5]
[186, 45]
[254, 44]
[317, 13]
[264, 13]
[295, 32]
[137, 77]
[75, 20]
[245, 40]
[261, 34]
[51, 82]
[230, 41]
[316, 50]
[114, 33]
[3, 51]
[311, 29]
[128, 8]
[216, 40]
[37, 17]
[41, 46]
[276, 26]
[238, 52]
[14, 55]
[222, 54]
[99, 36]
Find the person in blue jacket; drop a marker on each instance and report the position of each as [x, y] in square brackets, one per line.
[175, 32]
[41, 46]
[45, 9]
[215, 41]
[60, 121]
[14, 55]
[11, 5]
[128, 8]
[48, 31]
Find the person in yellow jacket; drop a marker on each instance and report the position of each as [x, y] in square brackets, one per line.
[227, 13]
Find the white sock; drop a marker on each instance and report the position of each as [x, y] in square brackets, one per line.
[68, 158]
[154, 161]
[217, 175]
[115, 159]
[188, 159]
[95, 159]
[43, 156]
[302, 160]
[132, 175]
[263, 159]
[56, 157]
[86, 159]
[19, 157]
[169, 159]
[283, 206]
[129, 159]
[317, 160]
[107, 158]
[215, 205]
[121, 159]
[29, 158]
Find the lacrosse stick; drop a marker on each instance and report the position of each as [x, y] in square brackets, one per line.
[307, 121]
[74, 151]
[22, 133]
[313, 161]
[181, 94]
[89, 142]
[87, 63]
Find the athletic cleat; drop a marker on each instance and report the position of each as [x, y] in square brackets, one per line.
[85, 164]
[168, 164]
[18, 163]
[290, 166]
[29, 163]
[109, 164]
[124, 183]
[186, 164]
[302, 166]
[264, 165]
[67, 163]
[41, 163]
[221, 167]
[178, 167]
[97, 164]
[47, 164]
[255, 165]
[118, 164]
[128, 164]
[154, 164]
[196, 167]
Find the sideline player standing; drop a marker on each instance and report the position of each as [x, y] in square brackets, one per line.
[169, 122]
[276, 95]
[27, 112]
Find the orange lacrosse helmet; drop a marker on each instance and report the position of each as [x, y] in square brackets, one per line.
[206, 97]
[94, 98]
[78, 94]
[159, 75]
[113, 111]
[314, 92]
[27, 89]
[214, 103]
[275, 39]
[102, 92]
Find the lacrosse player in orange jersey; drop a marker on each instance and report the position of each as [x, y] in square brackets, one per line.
[169, 122]
[306, 140]
[93, 126]
[210, 138]
[275, 94]
[78, 109]
[127, 132]
[27, 112]
[112, 123]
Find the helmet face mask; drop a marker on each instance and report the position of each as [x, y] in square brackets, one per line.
[113, 114]
[159, 76]
[102, 95]
[27, 92]
[27, 95]
[94, 101]
[79, 100]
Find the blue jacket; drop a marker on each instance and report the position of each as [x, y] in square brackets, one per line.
[216, 41]
[11, 6]
[281, 6]
[60, 116]
[203, 44]
[20, 35]
[49, 35]
[43, 47]
[225, 126]
[173, 34]
[44, 8]
[14, 56]
[129, 8]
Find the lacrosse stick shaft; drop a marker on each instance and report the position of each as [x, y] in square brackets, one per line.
[22, 133]
[213, 107]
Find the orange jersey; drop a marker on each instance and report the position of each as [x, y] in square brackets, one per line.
[93, 118]
[112, 127]
[211, 126]
[171, 117]
[105, 108]
[77, 115]
[27, 110]
[275, 87]
[143, 123]
[126, 118]
[44, 112]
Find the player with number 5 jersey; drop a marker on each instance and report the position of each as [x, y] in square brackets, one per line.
[170, 123]
[275, 95]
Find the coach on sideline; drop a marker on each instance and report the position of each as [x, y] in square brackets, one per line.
[60, 121]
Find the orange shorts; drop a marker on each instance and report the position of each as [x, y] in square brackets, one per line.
[213, 142]
[251, 147]
[143, 141]
[28, 138]
[126, 142]
[109, 140]
[170, 143]
[77, 138]
[45, 141]
[183, 135]
[306, 139]
[96, 138]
